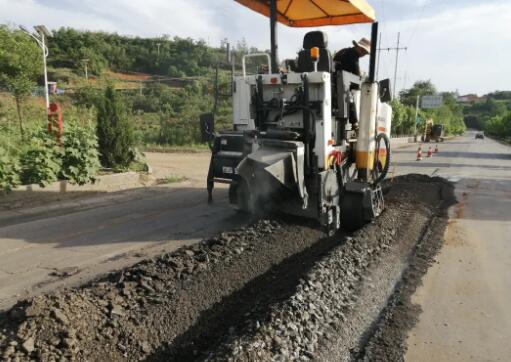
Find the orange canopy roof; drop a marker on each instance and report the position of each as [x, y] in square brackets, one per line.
[308, 13]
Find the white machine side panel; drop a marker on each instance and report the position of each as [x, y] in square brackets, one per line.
[384, 118]
[241, 104]
[324, 124]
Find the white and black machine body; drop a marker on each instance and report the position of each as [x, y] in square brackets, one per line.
[309, 141]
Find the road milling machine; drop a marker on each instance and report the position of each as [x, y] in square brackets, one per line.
[306, 140]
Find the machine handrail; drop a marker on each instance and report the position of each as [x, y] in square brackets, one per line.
[253, 55]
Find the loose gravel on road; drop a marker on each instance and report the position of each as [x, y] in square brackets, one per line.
[274, 290]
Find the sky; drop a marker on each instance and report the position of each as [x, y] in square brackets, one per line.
[459, 45]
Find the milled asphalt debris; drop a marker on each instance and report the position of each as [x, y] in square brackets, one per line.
[277, 289]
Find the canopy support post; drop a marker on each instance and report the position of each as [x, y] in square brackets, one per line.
[374, 47]
[273, 36]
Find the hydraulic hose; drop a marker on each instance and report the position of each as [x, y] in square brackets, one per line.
[380, 176]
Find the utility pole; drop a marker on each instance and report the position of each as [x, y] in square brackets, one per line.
[228, 52]
[416, 115]
[158, 45]
[85, 61]
[397, 48]
[395, 69]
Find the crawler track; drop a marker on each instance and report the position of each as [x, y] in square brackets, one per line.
[276, 290]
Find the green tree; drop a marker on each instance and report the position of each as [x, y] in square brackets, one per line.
[115, 131]
[20, 65]
[419, 88]
[177, 56]
[403, 118]
[450, 114]
[499, 126]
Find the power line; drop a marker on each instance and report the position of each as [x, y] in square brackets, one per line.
[397, 48]
[419, 18]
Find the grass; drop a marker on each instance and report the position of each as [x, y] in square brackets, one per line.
[135, 166]
[191, 148]
[138, 166]
[171, 180]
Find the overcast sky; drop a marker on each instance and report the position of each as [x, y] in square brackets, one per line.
[458, 44]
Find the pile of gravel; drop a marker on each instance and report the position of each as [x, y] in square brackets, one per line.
[332, 312]
[324, 298]
[132, 313]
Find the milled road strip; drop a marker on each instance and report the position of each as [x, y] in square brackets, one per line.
[274, 290]
[335, 305]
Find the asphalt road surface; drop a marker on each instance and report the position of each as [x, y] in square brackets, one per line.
[465, 296]
[68, 246]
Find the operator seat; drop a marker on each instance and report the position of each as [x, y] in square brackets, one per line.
[310, 40]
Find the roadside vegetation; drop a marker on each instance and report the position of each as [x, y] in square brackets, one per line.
[20, 65]
[145, 94]
[492, 114]
[138, 94]
[450, 114]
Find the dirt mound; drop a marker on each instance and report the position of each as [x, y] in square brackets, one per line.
[275, 290]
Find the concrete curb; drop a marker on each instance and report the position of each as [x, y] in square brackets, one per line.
[401, 141]
[404, 139]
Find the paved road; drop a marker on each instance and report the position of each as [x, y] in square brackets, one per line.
[107, 232]
[466, 296]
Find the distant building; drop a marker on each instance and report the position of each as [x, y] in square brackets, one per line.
[469, 98]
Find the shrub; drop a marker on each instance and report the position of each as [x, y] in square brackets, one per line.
[87, 96]
[9, 170]
[499, 126]
[115, 131]
[42, 160]
[80, 158]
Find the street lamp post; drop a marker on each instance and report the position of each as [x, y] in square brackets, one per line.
[40, 37]
[85, 62]
[416, 115]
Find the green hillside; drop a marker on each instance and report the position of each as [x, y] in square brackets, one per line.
[164, 83]
[492, 114]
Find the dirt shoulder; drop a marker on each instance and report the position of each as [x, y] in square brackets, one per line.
[23, 204]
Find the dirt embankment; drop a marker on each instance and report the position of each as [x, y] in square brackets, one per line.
[276, 290]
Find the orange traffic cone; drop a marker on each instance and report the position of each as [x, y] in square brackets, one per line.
[419, 154]
[430, 152]
[436, 148]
